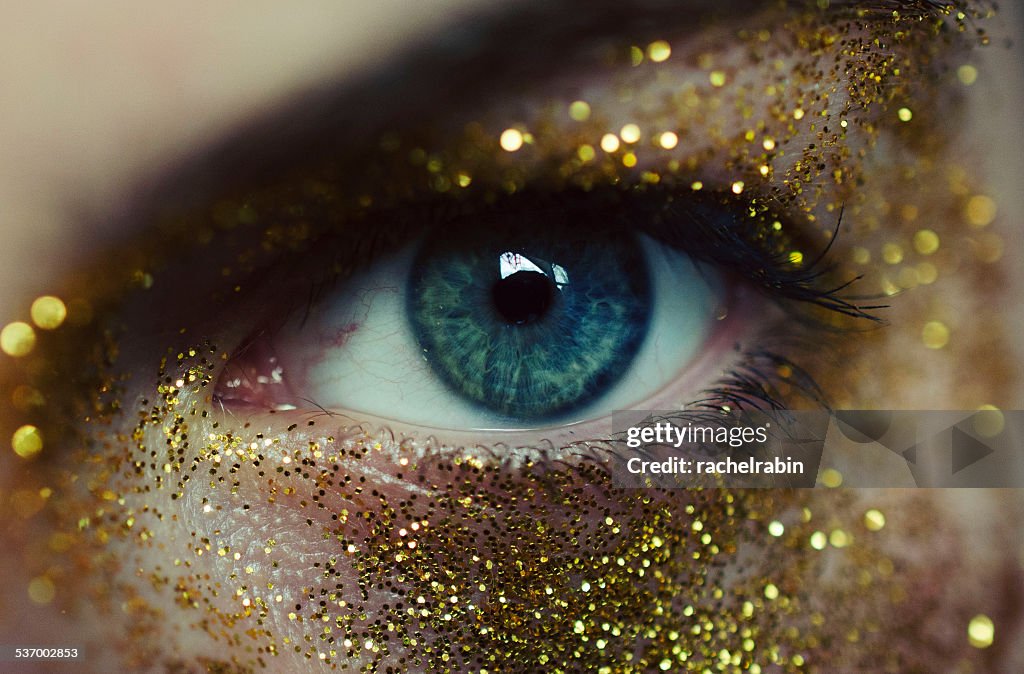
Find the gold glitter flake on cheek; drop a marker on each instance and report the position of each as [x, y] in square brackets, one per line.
[310, 539]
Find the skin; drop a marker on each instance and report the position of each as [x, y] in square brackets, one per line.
[162, 86]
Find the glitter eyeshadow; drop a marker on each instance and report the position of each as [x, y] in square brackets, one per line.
[366, 550]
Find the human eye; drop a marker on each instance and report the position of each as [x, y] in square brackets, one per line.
[345, 405]
[541, 310]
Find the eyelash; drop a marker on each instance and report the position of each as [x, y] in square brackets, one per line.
[737, 234]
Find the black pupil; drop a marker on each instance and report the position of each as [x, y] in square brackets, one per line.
[523, 297]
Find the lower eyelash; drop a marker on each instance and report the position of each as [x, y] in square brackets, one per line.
[754, 384]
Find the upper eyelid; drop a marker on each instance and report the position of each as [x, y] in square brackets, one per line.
[475, 51]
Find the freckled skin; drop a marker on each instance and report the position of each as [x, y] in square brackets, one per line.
[235, 540]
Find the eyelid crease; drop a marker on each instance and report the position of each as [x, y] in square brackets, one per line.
[406, 84]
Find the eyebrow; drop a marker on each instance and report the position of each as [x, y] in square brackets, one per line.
[494, 46]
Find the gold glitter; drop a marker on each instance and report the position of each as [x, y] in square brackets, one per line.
[892, 253]
[830, 477]
[771, 591]
[17, 339]
[967, 74]
[818, 540]
[41, 590]
[980, 210]
[27, 441]
[838, 538]
[988, 422]
[585, 152]
[696, 185]
[143, 279]
[796, 257]
[798, 114]
[905, 114]
[737, 187]
[926, 242]
[609, 142]
[768, 144]
[629, 160]
[579, 111]
[776, 528]
[981, 631]
[48, 312]
[874, 520]
[717, 78]
[636, 56]
[935, 334]
[668, 140]
[511, 140]
[630, 133]
[659, 51]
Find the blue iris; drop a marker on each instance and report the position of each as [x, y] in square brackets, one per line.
[529, 321]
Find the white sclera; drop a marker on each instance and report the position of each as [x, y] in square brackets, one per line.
[356, 351]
